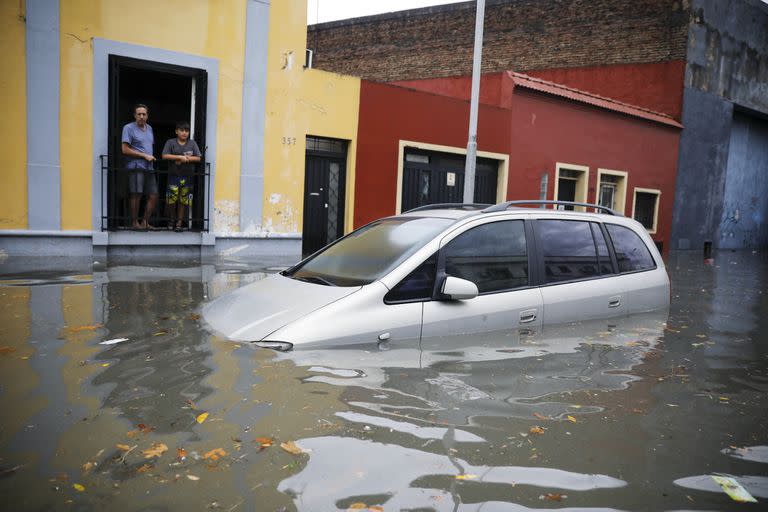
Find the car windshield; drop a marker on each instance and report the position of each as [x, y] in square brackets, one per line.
[369, 253]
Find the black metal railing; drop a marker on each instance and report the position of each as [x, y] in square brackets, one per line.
[115, 198]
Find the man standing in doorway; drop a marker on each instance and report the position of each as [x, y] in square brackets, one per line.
[138, 145]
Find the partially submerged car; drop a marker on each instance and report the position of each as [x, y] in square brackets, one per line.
[452, 269]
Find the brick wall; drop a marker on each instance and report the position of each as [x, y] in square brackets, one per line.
[521, 35]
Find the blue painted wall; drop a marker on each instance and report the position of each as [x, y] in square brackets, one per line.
[743, 222]
[727, 67]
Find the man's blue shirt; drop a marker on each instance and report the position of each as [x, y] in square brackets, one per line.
[140, 140]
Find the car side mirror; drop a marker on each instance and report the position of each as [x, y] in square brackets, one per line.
[455, 288]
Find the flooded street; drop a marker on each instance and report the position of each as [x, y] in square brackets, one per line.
[114, 396]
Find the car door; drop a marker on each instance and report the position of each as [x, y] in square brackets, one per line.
[495, 256]
[578, 276]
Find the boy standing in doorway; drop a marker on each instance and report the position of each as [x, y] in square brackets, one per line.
[183, 154]
[137, 145]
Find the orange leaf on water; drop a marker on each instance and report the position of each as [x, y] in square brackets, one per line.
[215, 454]
[540, 416]
[156, 450]
[181, 453]
[571, 418]
[291, 448]
[123, 447]
[264, 442]
[553, 496]
[536, 430]
[144, 468]
[357, 506]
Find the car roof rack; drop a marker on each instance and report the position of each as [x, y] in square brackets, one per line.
[451, 206]
[503, 206]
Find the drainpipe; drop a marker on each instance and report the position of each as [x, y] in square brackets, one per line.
[469, 169]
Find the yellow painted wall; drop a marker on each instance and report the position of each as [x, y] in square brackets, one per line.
[300, 102]
[210, 28]
[13, 121]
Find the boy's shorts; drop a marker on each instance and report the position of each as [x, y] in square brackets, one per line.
[179, 190]
[142, 182]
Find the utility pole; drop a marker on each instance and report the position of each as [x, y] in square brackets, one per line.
[469, 168]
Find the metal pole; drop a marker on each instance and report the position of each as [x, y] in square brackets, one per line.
[469, 168]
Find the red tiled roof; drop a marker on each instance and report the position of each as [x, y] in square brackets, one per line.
[537, 84]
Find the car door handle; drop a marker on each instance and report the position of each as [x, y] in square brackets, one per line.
[527, 316]
[614, 302]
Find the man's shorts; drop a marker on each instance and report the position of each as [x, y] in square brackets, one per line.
[142, 182]
[179, 190]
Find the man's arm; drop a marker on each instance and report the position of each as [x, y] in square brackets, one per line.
[129, 151]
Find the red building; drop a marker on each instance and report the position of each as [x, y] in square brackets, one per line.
[536, 139]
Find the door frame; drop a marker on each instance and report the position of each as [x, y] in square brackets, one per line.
[502, 175]
[102, 49]
[342, 158]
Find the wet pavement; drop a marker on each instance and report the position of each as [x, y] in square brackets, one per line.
[113, 395]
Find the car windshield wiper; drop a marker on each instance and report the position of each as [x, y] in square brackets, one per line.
[314, 279]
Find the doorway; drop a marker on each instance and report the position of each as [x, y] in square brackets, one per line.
[431, 177]
[172, 93]
[324, 191]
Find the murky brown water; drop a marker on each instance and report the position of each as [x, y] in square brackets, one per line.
[631, 414]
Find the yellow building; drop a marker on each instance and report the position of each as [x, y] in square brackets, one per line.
[278, 138]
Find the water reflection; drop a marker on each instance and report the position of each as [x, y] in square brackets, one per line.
[631, 414]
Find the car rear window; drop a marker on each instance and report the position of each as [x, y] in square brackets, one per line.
[369, 253]
[631, 252]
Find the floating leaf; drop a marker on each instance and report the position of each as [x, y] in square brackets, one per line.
[733, 489]
[193, 478]
[465, 477]
[144, 429]
[571, 418]
[181, 453]
[190, 403]
[264, 442]
[88, 466]
[81, 328]
[144, 468]
[202, 417]
[291, 448]
[194, 317]
[357, 506]
[123, 447]
[376, 508]
[78, 487]
[215, 454]
[160, 333]
[156, 450]
[6, 350]
[540, 416]
[536, 430]
[553, 496]
[104, 365]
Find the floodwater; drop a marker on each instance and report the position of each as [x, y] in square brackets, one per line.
[114, 396]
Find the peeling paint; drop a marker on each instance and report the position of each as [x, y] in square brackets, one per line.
[226, 217]
[274, 198]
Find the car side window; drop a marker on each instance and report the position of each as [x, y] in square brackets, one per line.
[494, 256]
[603, 256]
[568, 249]
[631, 252]
[417, 286]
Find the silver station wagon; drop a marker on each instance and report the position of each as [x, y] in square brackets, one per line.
[452, 270]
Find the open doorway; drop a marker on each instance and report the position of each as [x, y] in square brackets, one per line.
[172, 93]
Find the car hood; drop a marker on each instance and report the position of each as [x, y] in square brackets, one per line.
[252, 312]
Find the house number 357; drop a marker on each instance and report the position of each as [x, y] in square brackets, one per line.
[289, 140]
